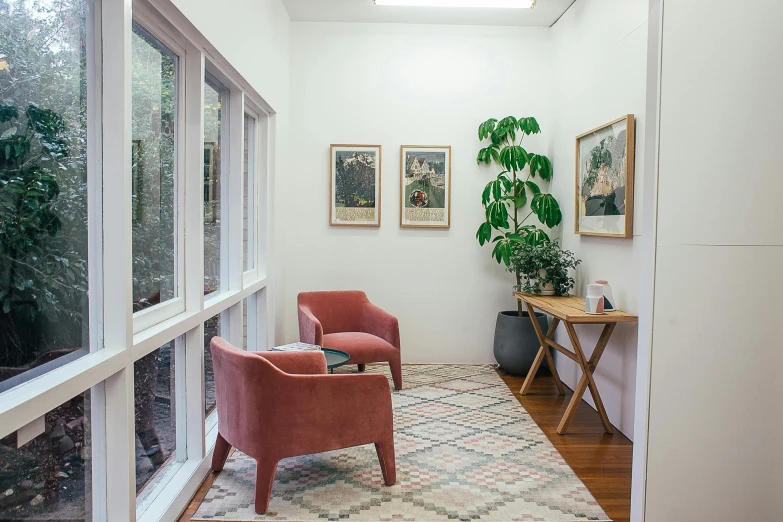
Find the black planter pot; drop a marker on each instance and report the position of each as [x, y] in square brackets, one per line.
[516, 343]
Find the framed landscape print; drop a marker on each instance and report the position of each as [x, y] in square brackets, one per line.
[355, 179]
[604, 180]
[425, 186]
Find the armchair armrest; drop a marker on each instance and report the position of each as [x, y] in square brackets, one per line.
[310, 329]
[299, 363]
[381, 324]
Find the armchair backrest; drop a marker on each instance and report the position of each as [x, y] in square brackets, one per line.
[244, 382]
[336, 310]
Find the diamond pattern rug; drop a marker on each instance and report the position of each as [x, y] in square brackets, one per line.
[466, 450]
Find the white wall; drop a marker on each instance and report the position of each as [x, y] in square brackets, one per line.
[395, 85]
[715, 393]
[254, 36]
[599, 75]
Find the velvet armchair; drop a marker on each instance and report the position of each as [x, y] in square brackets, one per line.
[273, 405]
[347, 321]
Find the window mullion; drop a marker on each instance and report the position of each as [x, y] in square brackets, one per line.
[194, 250]
[117, 269]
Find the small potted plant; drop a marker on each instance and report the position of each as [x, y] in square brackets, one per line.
[544, 268]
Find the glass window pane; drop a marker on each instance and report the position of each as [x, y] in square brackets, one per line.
[249, 195]
[154, 394]
[50, 477]
[43, 186]
[213, 101]
[153, 156]
[212, 329]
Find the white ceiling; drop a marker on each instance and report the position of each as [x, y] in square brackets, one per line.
[545, 14]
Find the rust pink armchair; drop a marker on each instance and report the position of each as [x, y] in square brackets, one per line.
[273, 405]
[347, 321]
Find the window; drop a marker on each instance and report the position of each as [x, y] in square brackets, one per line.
[249, 199]
[214, 113]
[154, 171]
[154, 398]
[43, 187]
[49, 477]
[212, 328]
[66, 76]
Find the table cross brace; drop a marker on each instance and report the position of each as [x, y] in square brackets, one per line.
[587, 365]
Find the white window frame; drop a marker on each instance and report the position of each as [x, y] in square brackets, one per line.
[253, 166]
[152, 23]
[117, 337]
[228, 150]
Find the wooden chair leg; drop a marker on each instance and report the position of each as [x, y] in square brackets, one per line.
[220, 454]
[265, 477]
[385, 452]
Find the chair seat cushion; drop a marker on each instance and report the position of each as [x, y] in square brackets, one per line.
[362, 347]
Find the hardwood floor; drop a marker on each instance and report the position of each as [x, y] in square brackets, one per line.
[601, 461]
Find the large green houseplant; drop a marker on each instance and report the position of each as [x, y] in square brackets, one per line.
[516, 209]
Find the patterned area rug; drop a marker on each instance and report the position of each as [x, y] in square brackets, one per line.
[466, 450]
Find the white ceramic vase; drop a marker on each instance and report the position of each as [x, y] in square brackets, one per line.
[594, 301]
[545, 289]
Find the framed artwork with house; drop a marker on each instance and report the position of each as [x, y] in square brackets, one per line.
[425, 186]
[355, 181]
[604, 180]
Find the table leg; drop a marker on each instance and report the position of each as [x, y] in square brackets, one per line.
[587, 381]
[543, 351]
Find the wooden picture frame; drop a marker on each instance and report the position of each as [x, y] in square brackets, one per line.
[425, 186]
[604, 190]
[355, 185]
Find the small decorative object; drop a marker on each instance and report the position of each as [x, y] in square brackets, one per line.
[425, 186]
[594, 302]
[609, 303]
[604, 180]
[296, 347]
[355, 196]
[543, 269]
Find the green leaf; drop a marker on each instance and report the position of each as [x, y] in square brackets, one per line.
[497, 190]
[486, 128]
[529, 126]
[502, 178]
[485, 155]
[483, 233]
[536, 237]
[533, 187]
[513, 157]
[497, 214]
[485, 194]
[547, 209]
[540, 165]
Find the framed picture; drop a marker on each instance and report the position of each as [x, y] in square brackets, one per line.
[355, 179]
[425, 186]
[604, 180]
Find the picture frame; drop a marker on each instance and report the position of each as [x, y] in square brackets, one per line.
[603, 201]
[425, 186]
[355, 185]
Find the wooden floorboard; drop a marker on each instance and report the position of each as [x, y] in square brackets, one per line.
[601, 461]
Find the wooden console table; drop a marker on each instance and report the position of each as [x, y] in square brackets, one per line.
[571, 310]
